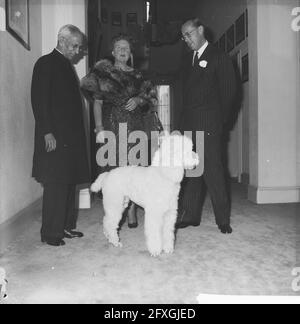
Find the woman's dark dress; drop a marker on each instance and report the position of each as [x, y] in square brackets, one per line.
[115, 87]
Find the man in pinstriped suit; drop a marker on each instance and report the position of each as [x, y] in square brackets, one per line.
[209, 82]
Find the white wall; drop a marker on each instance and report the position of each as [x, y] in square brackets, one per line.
[274, 102]
[298, 113]
[17, 189]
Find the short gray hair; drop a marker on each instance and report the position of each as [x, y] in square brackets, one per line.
[69, 30]
[195, 21]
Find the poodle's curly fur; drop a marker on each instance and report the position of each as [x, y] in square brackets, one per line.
[3, 283]
[155, 188]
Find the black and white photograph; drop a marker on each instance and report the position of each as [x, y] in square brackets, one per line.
[246, 22]
[104, 16]
[17, 20]
[131, 18]
[240, 29]
[149, 155]
[245, 68]
[116, 18]
[230, 39]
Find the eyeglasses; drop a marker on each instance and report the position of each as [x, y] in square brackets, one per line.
[188, 35]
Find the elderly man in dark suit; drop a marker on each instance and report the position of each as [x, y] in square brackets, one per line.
[60, 157]
[209, 92]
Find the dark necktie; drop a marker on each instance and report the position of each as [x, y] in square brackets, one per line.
[196, 60]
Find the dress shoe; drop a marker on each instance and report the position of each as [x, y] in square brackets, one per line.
[225, 229]
[53, 242]
[181, 225]
[72, 234]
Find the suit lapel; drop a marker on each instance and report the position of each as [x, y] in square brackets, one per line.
[189, 62]
[196, 72]
[207, 53]
[205, 56]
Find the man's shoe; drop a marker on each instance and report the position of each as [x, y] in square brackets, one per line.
[72, 234]
[53, 242]
[225, 229]
[181, 225]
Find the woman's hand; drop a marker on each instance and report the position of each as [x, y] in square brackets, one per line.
[133, 103]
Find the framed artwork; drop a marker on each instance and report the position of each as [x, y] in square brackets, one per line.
[116, 19]
[104, 16]
[245, 68]
[17, 20]
[222, 43]
[131, 18]
[235, 58]
[246, 21]
[230, 39]
[240, 30]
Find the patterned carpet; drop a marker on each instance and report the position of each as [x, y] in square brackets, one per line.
[257, 259]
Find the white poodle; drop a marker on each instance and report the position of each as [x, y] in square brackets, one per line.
[3, 283]
[155, 188]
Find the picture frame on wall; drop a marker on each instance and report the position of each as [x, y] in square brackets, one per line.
[245, 68]
[240, 29]
[236, 57]
[132, 18]
[246, 22]
[104, 16]
[17, 20]
[116, 18]
[222, 43]
[230, 42]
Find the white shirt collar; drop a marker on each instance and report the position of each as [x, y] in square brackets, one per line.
[59, 51]
[200, 50]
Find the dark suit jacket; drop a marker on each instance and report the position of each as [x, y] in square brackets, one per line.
[209, 92]
[57, 108]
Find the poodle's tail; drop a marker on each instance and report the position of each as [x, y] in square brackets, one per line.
[98, 184]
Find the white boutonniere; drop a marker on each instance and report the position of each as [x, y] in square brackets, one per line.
[203, 64]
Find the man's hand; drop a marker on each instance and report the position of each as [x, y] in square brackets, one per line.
[50, 142]
[133, 103]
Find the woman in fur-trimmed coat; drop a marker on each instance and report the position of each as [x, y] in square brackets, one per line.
[120, 95]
